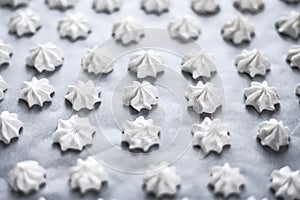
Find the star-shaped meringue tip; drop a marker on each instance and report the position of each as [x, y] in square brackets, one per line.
[205, 6]
[184, 28]
[3, 87]
[293, 56]
[288, 24]
[10, 126]
[108, 6]
[6, 52]
[155, 6]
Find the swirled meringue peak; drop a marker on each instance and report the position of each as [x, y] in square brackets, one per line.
[146, 63]
[273, 134]
[27, 176]
[184, 28]
[286, 183]
[74, 133]
[74, 26]
[140, 95]
[289, 24]
[87, 175]
[293, 56]
[10, 126]
[211, 135]
[226, 180]
[252, 62]
[199, 64]
[36, 92]
[6, 52]
[14, 3]
[297, 90]
[83, 95]
[3, 87]
[252, 6]
[238, 30]
[162, 182]
[204, 98]
[128, 31]
[141, 133]
[61, 4]
[108, 6]
[24, 22]
[45, 57]
[261, 96]
[155, 6]
[205, 6]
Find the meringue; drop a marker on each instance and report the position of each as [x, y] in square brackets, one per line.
[61, 4]
[249, 5]
[238, 31]
[184, 28]
[74, 133]
[211, 135]
[286, 183]
[45, 57]
[293, 56]
[155, 6]
[128, 31]
[205, 6]
[252, 62]
[146, 63]
[199, 64]
[297, 90]
[140, 133]
[83, 95]
[140, 95]
[24, 22]
[27, 176]
[226, 180]
[10, 126]
[74, 26]
[108, 6]
[87, 175]
[36, 92]
[204, 98]
[163, 182]
[273, 134]
[14, 3]
[5, 53]
[261, 96]
[3, 87]
[289, 24]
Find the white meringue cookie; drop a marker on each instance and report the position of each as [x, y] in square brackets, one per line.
[155, 6]
[297, 90]
[3, 87]
[252, 62]
[74, 133]
[87, 175]
[140, 95]
[293, 56]
[211, 135]
[45, 57]
[205, 6]
[238, 30]
[249, 5]
[108, 6]
[198, 63]
[24, 22]
[61, 4]
[261, 96]
[74, 26]
[204, 98]
[140, 133]
[226, 180]
[14, 3]
[273, 134]
[5, 53]
[10, 126]
[286, 183]
[36, 92]
[146, 63]
[27, 176]
[83, 95]
[289, 24]
[184, 28]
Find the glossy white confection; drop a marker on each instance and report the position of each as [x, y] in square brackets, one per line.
[204, 98]
[184, 28]
[42, 198]
[87, 175]
[83, 95]
[74, 133]
[140, 95]
[211, 135]
[14, 3]
[140, 133]
[98, 60]
[261, 96]
[108, 6]
[24, 22]
[226, 180]
[205, 6]
[27, 176]
[61, 4]
[3, 87]
[198, 63]
[163, 182]
[238, 30]
[155, 6]
[5, 53]
[74, 26]
[252, 62]
[36, 92]
[289, 24]
[293, 56]
[286, 183]
[273, 134]
[128, 31]
[297, 90]
[249, 5]
[10, 126]
[146, 63]
[45, 57]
